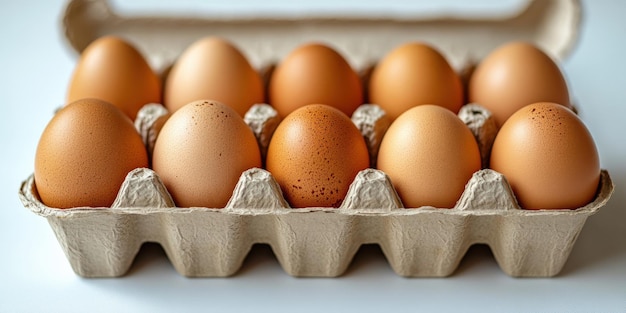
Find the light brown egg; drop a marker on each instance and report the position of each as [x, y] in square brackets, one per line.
[429, 154]
[548, 156]
[314, 73]
[112, 70]
[201, 152]
[84, 155]
[315, 154]
[213, 68]
[414, 74]
[513, 76]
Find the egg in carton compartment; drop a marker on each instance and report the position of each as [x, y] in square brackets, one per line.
[422, 242]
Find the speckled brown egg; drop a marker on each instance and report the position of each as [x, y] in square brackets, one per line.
[414, 74]
[201, 152]
[314, 73]
[429, 154]
[112, 70]
[513, 76]
[84, 155]
[213, 68]
[315, 154]
[548, 156]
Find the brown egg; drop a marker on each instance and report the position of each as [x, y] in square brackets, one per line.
[112, 70]
[414, 74]
[429, 154]
[201, 152]
[212, 68]
[84, 155]
[315, 154]
[314, 73]
[513, 76]
[548, 156]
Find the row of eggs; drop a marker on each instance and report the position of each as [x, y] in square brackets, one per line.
[87, 149]
[415, 73]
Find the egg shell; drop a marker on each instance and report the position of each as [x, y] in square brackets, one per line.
[314, 73]
[112, 70]
[213, 68]
[84, 154]
[201, 151]
[548, 156]
[414, 74]
[314, 155]
[513, 76]
[429, 154]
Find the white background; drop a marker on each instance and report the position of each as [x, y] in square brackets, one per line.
[35, 66]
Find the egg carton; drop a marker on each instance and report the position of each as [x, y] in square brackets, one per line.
[418, 242]
[320, 242]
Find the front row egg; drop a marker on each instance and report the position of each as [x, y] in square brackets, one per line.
[315, 154]
[548, 157]
[201, 152]
[85, 153]
[429, 155]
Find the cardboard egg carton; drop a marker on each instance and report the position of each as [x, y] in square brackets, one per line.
[417, 242]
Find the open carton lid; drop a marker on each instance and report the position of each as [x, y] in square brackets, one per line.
[363, 39]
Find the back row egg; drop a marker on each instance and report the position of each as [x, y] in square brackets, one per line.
[112, 70]
[414, 74]
[514, 75]
[213, 68]
[311, 74]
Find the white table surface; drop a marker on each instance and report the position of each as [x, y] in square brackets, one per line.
[35, 276]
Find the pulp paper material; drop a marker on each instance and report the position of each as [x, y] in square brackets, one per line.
[373, 124]
[423, 242]
[148, 123]
[483, 126]
[263, 120]
[417, 242]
